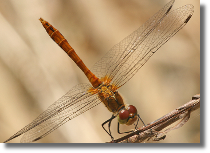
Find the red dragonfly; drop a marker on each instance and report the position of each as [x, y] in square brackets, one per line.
[118, 66]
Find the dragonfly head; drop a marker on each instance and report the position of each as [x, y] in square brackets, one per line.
[127, 115]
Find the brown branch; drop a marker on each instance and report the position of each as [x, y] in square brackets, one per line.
[154, 128]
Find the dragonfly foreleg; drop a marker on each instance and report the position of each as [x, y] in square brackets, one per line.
[109, 125]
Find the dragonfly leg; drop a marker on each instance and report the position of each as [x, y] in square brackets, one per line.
[138, 120]
[118, 129]
[109, 125]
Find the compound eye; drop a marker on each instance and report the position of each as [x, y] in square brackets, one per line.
[132, 109]
[123, 116]
[132, 115]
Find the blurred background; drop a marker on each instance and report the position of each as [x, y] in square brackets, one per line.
[35, 72]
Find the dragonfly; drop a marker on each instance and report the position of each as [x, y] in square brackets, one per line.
[116, 68]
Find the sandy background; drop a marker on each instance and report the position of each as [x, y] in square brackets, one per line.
[35, 72]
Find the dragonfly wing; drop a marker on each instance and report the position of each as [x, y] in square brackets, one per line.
[75, 102]
[146, 44]
[123, 61]
[111, 63]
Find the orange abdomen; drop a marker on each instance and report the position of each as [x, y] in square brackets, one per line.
[63, 43]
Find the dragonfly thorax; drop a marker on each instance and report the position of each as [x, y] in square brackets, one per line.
[111, 98]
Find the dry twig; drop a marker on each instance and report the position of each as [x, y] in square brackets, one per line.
[153, 130]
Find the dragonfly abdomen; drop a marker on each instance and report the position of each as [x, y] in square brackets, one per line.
[63, 43]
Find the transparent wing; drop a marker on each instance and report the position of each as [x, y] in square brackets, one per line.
[72, 104]
[123, 61]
